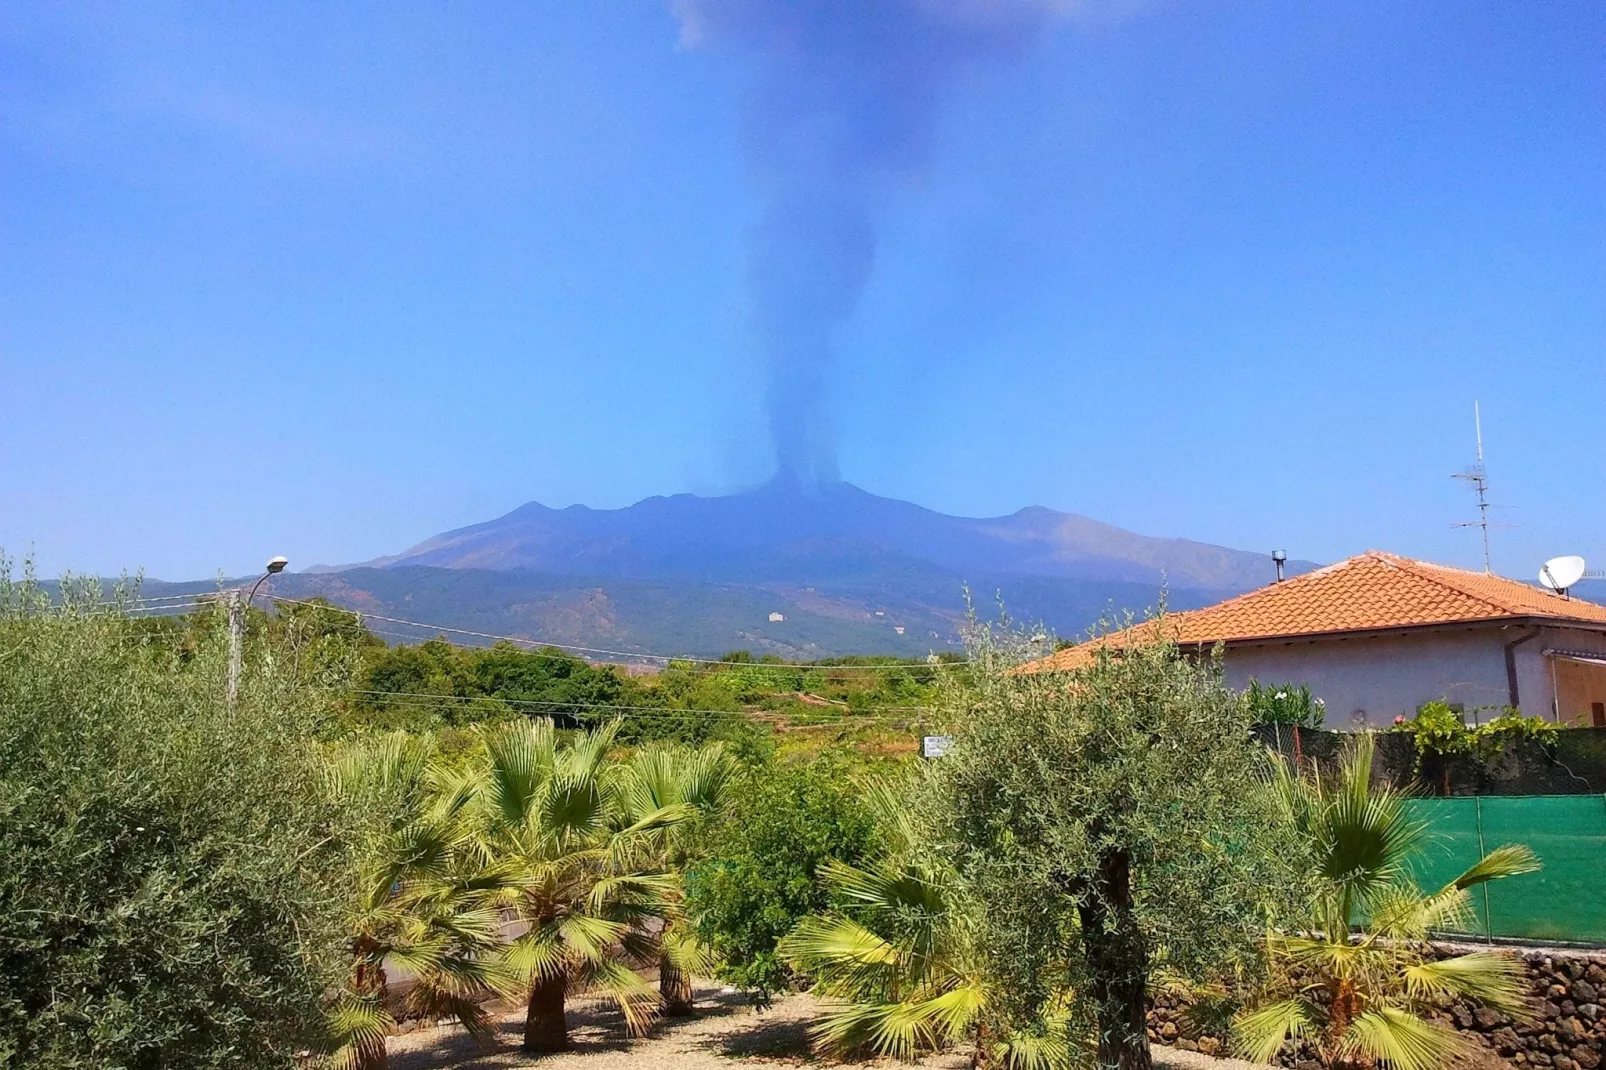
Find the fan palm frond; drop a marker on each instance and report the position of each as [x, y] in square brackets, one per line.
[1359, 974]
[1511, 860]
[1398, 1038]
[1491, 978]
[1260, 1032]
[358, 1027]
[894, 1029]
[1046, 1050]
[845, 958]
[614, 981]
[538, 954]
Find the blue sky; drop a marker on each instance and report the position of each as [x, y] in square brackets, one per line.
[324, 281]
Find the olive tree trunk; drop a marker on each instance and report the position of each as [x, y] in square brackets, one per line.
[1118, 965]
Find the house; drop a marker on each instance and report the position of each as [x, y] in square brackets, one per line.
[776, 617]
[1378, 635]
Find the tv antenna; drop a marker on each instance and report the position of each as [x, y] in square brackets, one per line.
[1479, 478]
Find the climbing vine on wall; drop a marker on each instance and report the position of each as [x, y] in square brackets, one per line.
[1440, 732]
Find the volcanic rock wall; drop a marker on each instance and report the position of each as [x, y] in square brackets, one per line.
[1567, 1030]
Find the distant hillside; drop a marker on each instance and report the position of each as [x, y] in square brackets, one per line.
[848, 572]
[781, 533]
[700, 619]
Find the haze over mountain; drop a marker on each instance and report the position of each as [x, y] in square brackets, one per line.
[846, 570]
[783, 533]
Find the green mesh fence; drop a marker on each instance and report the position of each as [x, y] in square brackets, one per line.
[1565, 900]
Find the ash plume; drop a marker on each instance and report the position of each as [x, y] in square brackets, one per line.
[839, 109]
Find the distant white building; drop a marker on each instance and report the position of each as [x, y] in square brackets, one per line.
[1376, 636]
[776, 618]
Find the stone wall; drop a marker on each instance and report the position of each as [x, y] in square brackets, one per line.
[1567, 1032]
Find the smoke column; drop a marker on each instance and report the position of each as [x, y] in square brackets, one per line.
[840, 107]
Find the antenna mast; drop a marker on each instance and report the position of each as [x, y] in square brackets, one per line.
[1479, 478]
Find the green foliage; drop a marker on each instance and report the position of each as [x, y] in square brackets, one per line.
[436, 683]
[173, 869]
[759, 877]
[659, 778]
[1369, 997]
[1440, 732]
[424, 900]
[436, 686]
[1283, 704]
[897, 960]
[1512, 727]
[1108, 823]
[580, 857]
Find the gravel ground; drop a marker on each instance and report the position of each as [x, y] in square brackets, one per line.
[727, 1034]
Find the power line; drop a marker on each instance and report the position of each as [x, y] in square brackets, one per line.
[206, 600]
[711, 669]
[837, 717]
[441, 628]
[846, 711]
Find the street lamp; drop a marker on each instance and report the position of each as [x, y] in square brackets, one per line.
[275, 566]
[237, 623]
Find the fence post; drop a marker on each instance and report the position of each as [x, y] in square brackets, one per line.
[1488, 917]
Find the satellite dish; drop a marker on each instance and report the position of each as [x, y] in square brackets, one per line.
[1560, 573]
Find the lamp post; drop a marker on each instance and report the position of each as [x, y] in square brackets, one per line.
[237, 608]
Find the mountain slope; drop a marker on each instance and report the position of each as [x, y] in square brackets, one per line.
[847, 572]
[779, 533]
[909, 615]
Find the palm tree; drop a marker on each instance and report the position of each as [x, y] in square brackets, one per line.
[422, 902]
[580, 883]
[660, 776]
[905, 975]
[1359, 978]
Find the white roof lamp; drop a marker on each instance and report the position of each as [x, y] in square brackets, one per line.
[1560, 573]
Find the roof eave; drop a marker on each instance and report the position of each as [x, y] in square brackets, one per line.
[1523, 621]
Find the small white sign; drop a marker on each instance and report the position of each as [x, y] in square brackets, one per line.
[934, 746]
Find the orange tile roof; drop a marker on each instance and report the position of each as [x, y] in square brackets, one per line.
[1374, 591]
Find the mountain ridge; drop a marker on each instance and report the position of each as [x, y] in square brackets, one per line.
[779, 523]
[803, 572]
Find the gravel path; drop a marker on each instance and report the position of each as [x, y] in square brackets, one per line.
[727, 1034]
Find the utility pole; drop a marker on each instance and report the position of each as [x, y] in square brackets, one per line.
[236, 609]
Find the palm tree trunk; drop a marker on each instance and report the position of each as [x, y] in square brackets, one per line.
[370, 982]
[546, 1027]
[1341, 1013]
[1118, 963]
[674, 985]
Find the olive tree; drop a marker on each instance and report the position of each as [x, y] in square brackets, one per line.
[1110, 822]
[170, 864]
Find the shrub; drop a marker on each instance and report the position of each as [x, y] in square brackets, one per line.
[1352, 974]
[1108, 825]
[1284, 704]
[170, 890]
[763, 860]
[1439, 732]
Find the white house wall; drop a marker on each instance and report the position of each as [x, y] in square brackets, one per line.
[1370, 681]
